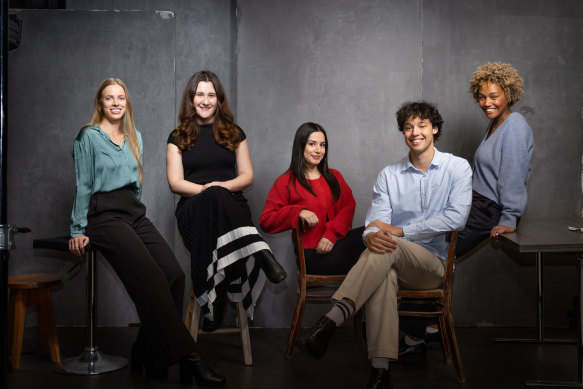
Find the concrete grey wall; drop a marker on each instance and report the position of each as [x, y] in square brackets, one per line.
[542, 39]
[349, 66]
[205, 38]
[345, 65]
[54, 75]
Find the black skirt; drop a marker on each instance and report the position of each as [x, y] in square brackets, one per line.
[217, 229]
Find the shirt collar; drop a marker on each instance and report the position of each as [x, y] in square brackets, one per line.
[405, 163]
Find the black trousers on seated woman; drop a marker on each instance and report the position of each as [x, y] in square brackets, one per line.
[340, 260]
[484, 215]
[118, 228]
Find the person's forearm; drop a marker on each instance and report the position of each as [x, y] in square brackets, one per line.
[185, 188]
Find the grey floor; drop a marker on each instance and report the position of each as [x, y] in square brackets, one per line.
[487, 364]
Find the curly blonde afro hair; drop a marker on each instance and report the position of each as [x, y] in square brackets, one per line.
[499, 73]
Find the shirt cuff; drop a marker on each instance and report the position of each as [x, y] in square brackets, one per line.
[366, 232]
[408, 231]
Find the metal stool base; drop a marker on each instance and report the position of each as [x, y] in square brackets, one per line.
[91, 362]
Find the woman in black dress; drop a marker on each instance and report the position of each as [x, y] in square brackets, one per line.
[208, 164]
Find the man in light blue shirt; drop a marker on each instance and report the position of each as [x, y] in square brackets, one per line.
[415, 203]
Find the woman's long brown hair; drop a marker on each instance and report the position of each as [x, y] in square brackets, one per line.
[225, 131]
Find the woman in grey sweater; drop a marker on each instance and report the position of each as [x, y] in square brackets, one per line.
[502, 161]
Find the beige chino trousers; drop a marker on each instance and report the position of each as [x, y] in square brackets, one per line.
[373, 282]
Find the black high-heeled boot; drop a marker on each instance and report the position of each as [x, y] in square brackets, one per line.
[194, 366]
[273, 270]
[140, 362]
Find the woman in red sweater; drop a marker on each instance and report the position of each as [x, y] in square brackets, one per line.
[319, 196]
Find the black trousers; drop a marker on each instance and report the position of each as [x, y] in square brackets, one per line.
[119, 229]
[484, 215]
[340, 260]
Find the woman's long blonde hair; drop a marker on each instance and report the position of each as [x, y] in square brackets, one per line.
[127, 121]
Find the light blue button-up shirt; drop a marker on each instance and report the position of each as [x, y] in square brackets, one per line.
[101, 166]
[426, 205]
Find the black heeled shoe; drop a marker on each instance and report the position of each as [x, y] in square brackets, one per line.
[272, 269]
[194, 366]
[139, 363]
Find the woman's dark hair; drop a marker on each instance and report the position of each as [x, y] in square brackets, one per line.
[225, 132]
[298, 165]
[421, 110]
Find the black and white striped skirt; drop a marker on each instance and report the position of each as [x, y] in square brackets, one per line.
[217, 229]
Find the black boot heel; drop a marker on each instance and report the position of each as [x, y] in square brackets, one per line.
[272, 269]
[193, 366]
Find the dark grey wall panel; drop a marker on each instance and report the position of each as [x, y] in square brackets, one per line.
[205, 39]
[53, 77]
[542, 39]
[346, 65]
[343, 64]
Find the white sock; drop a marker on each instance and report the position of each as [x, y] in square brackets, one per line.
[412, 342]
[431, 330]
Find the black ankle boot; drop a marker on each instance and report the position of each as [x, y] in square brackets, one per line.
[140, 362]
[316, 343]
[194, 366]
[379, 379]
[273, 270]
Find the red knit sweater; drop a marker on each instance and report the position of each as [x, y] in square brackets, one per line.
[284, 203]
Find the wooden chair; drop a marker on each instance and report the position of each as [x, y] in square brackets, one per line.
[440, 300]
[28, 290]
[313, 287]
[193, 319]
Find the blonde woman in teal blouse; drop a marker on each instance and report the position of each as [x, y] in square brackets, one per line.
[108, 213]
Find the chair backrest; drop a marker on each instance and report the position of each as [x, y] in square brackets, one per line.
[299, 247]
[303, 275]
[451, 238]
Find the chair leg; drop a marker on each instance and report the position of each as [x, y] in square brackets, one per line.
[35, 300]
[454, 347]
[445, 343]
[46, 321]
[193, 316]
[295, 325]
[17, 303]
[245, 339]
[188, 317]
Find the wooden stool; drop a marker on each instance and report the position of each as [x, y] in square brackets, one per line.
[193, 318]
[28, 290]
